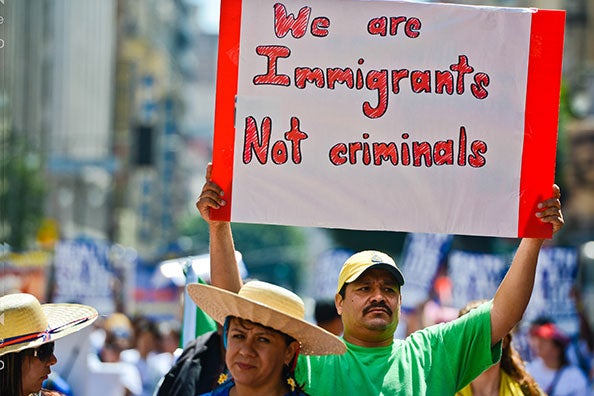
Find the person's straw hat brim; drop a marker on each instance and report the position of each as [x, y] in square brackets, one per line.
[27, 324]
[269, 305]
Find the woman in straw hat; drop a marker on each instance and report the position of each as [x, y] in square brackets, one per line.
[28, 331]
[264, 331]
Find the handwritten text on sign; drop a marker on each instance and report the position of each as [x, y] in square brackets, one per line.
[383, 82]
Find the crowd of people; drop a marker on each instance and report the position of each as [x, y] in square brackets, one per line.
[127, 356]
[140, 350]
[264, 345]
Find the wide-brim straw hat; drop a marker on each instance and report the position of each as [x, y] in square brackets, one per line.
[269, 305]
[25, 323]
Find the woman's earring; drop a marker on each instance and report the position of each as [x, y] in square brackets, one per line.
[291, 383]
[222, 378]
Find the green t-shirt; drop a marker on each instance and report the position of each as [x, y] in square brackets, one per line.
[438, 360]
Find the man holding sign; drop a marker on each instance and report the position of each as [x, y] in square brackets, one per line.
[379, 108]
[438, 360]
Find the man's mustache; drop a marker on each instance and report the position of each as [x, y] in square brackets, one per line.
[380, 304]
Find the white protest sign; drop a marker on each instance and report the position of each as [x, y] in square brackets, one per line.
[387, 115]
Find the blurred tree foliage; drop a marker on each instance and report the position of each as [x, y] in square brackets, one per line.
[384, 241]
[565, 115]
[271, 253]
[21, 192]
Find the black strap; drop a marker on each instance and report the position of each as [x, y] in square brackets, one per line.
[553, 384]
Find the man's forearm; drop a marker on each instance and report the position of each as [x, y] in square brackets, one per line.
[224, 272]
[513, 295]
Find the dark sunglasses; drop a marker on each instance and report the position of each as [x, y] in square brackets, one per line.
[44, 352]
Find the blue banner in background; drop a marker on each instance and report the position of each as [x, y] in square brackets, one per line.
[83, 274]
[422, 255]
[325, 273]
[94, 272]
[475, 276]
[552, 295]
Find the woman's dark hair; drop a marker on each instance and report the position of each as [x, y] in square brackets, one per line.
[11, 373]
[511, 361]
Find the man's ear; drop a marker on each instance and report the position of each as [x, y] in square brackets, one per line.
[338, 303]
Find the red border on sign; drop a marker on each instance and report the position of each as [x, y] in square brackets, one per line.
[541, 119]
[226, 91]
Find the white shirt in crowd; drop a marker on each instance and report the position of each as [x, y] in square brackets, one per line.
[571, 381]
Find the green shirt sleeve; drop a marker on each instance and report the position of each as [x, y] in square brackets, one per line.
[462, 348]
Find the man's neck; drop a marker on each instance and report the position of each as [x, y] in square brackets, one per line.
[368, 342]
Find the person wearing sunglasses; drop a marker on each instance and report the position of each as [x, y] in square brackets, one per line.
[28, 332]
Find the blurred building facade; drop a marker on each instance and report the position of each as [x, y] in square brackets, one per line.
[165, 72]
[116, 97]
[58, 70]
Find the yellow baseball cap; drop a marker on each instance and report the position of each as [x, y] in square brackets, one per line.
[362, 261]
